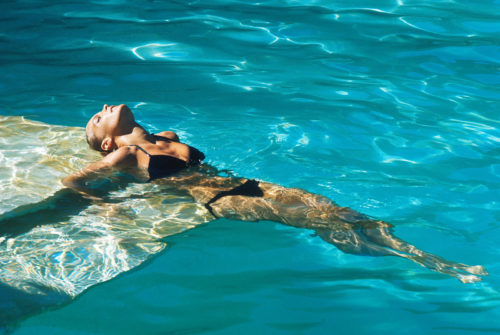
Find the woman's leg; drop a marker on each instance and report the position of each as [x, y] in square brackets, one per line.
[350, 231]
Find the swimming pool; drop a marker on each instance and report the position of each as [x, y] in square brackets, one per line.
[388, 108]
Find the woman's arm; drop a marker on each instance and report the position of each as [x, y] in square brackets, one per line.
[121, 158]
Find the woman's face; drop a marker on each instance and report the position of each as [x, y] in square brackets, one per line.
[110, 121]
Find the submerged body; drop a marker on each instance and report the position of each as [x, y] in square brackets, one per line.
[163, 158]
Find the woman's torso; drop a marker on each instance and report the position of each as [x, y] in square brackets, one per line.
[163, 157]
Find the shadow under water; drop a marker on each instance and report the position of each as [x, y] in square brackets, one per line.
[57, 208]
[17, 304]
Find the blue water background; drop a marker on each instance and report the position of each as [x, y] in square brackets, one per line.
[388, 107]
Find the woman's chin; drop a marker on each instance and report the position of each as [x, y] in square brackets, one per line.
[125, 120]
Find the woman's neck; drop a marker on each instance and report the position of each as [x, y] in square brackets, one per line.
[137, 136]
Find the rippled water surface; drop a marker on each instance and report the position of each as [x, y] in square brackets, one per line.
[388, 107]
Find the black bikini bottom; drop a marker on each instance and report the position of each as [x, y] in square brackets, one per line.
[250, 188]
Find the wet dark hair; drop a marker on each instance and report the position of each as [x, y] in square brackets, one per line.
[93, 141]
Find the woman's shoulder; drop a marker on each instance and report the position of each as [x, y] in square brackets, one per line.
[125, 155]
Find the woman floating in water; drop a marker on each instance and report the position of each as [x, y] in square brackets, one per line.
[163, 158]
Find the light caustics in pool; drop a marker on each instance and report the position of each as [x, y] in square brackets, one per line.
[95, 242]
[235, 72]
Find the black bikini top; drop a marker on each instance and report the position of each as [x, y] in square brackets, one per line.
[163, 165]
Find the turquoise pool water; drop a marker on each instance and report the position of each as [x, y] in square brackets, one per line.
[388, 107]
